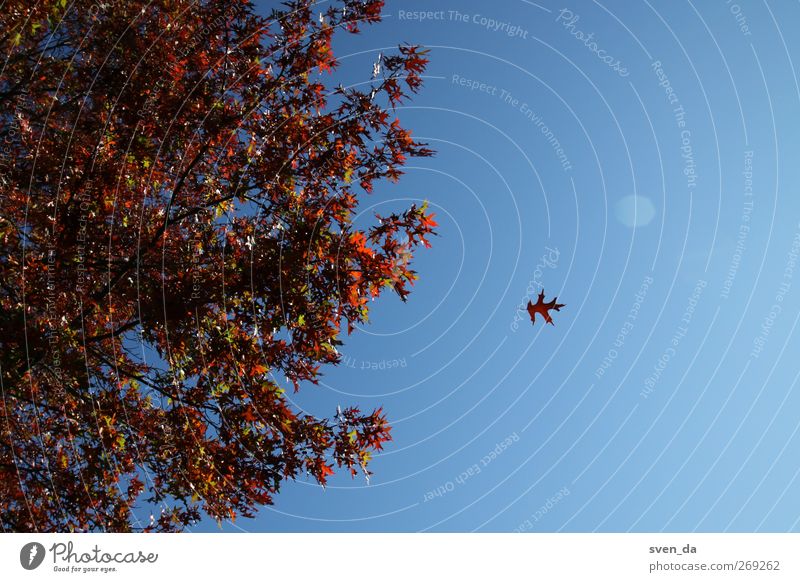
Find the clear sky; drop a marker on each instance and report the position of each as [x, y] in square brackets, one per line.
[640, 161]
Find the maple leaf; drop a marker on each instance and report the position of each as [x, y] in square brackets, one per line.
[543, 308]
[325, 470]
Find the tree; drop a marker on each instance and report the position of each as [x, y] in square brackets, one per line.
[178, 182]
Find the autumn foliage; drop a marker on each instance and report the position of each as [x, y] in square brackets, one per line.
[543, 308]
[178, 181]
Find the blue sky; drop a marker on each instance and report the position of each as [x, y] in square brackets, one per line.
[647, 175]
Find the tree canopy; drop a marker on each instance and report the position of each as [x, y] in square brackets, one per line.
[178, 184]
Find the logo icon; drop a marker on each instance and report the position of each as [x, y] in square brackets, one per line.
[31, 555]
